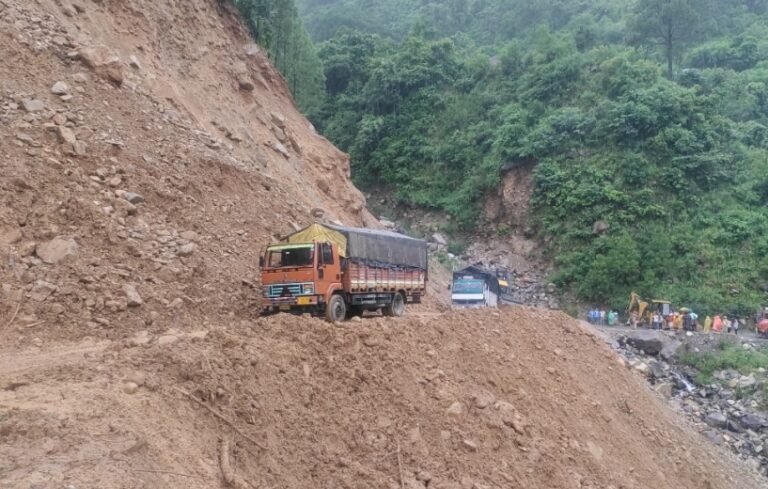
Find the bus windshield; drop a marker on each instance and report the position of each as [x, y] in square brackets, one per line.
[291, 256]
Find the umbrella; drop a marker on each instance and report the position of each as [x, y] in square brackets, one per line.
[684, 309]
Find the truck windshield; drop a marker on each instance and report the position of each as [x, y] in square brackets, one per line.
[468, 286]
[291, 256]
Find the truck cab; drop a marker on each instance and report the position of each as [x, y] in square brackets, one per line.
[300, 277]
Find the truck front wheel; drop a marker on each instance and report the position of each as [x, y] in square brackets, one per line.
[336, 310]
[395, 308]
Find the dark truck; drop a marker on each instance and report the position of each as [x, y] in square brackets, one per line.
[341, 272]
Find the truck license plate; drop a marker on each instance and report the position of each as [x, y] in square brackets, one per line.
[285, 307]
[303, 301]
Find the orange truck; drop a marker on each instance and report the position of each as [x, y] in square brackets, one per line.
[341, 272]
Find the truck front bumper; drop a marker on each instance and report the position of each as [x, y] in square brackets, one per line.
[301, 303]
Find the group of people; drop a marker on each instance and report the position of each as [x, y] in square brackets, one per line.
[719, 323]
[684, 320]
[602, 317]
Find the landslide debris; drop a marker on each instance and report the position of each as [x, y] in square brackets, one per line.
[475, 399]
[139, 182]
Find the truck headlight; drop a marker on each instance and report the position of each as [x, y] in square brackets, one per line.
[309, 289]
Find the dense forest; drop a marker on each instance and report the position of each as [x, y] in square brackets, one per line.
[650, 116]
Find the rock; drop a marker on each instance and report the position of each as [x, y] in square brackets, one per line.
[60, 88]
[650, 342]
[66, 135]
[132, 295]
[714, 437]
[317, 212]
[746, 381]
[642, 367]
[198, 335]
[665, 389]
[470, 445]
[130, 388]
[137, 377]
[10, 236]
[189, 235]
[80, 78]
[278, 119]
[103, 62]
[440, 239]
[32, 105]
[280, 148]
[387, 223]
[57, 251]
[716, 419]
[245, 83]
[42, 290]
[423, 476]
[134, 62]
[456, 409]
[657, 369]
[670, 350]
[167, 340]
[141, 338]
[754, 423]
[186, 249]
[133, 197]
[483, 400]
[252, 49]
[599, 227]
[125, 208]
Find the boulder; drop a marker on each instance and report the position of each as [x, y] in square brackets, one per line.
[32, 105]
[104, 62]
[42, 290]
[57, 250]
[133, 197]
[752, 422]
[670, 350]
[60, 88]
[650, 342]
[66, 135]
[132, 295]
[717, 420]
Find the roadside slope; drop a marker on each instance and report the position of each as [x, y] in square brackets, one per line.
[170, 101]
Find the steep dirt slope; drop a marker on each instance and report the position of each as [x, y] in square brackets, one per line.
[103, 99]
[519, 398]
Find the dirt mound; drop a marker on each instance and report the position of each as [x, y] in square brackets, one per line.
[149, 153]
[518, 398]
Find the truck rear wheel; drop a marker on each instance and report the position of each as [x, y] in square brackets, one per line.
[396, 308]
[336, 310]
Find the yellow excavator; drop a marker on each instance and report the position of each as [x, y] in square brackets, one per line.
[638, 305]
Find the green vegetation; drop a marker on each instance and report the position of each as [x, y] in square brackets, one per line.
[728, 356]
[648, 115]
[276, 26]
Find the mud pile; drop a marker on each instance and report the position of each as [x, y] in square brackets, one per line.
[149, 152]
[519, 398]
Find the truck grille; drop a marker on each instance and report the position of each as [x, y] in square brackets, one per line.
[295, 289]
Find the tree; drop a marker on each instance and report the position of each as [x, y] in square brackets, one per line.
[667, 23]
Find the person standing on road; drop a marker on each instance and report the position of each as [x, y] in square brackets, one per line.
[735, 325]
[707, 324]
[726, 324]
[687, 322]
[717, 324]
[602, 316]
